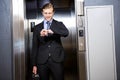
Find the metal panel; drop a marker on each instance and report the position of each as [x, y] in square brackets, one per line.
[81, 56]
[18, 40]
[101, 63]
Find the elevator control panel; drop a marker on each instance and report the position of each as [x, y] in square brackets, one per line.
[32, 26]
[81, 39]
[80, 24]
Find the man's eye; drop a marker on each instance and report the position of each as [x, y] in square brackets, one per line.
[47, 13]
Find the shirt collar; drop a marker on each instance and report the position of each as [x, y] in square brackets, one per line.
[49, 21]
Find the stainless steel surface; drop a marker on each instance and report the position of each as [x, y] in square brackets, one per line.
[82, 65]
[81, 48]
[81, 33]
[80, 7]
[18, 40]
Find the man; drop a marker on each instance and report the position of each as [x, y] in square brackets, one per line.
[48, 53]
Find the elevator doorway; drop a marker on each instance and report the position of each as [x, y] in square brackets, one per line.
[66, 14]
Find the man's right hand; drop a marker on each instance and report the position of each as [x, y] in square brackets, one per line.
[44, 32]
[34, 69]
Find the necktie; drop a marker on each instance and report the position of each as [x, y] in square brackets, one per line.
[48, 24]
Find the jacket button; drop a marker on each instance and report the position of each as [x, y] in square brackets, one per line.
[48, 45]
[49, 54]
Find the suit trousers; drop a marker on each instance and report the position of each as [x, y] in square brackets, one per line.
[51, 67]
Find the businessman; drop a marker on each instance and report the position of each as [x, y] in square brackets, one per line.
[47, 50]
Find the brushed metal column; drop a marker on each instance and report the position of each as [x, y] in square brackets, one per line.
[81, 48]
[18, 40]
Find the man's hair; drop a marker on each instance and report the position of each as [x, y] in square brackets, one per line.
[47, 6]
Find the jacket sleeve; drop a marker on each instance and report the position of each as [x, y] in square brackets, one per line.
[60, 29]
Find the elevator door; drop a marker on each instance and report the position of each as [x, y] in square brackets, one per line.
[100, 43]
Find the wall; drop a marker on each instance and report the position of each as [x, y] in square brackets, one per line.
[116, 24]
[5, 40]
[117, 32]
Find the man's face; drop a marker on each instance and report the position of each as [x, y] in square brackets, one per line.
[48, 13]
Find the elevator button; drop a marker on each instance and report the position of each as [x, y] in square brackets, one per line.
[81, 33]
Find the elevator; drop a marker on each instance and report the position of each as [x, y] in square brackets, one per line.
[65, 12]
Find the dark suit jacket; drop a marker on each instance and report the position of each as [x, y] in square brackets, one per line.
[51, 44]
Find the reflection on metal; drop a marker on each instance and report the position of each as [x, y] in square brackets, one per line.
[80, 7]
[18, 40]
